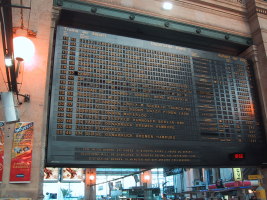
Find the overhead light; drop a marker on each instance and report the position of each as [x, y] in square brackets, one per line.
[8, 62]
[167, 5]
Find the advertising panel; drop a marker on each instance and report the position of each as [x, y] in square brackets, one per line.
[51, 175]
[72, 175]
[21, 157]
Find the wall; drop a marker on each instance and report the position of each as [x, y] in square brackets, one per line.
[38, 19]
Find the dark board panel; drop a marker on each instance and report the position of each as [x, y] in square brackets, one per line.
[119, 101]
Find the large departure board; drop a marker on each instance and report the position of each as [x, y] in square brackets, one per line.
[119, 101]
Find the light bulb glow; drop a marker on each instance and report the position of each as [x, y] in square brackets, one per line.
[23, 48]
[167, 5]
[92, 177]
[8, 62]
[147, 177]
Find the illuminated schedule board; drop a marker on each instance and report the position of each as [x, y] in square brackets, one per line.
[119, 101]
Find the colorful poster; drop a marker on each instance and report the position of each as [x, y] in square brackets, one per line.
[72, 175]
[51, 175]
[1, 150]
[21, 157]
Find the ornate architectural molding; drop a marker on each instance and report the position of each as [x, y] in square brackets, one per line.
[235, 8]
[227, 9]
[251, 53]
[261, 10]
[243, 2]
[207, 10]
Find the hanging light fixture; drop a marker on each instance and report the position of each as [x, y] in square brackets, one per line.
[23, 48]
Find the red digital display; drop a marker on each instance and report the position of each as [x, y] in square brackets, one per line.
[237, 156]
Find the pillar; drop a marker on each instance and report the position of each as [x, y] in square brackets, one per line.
[90, 184]
[146, 181]
[257, 18]
[34, 83]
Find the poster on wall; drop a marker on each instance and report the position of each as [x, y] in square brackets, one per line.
[51, 175]
[1, 150]
[21, 155]
[72, 175]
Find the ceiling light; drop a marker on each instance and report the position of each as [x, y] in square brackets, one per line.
[167, 5]
[8, 62]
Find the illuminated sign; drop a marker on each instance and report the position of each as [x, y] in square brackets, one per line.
[255, 177]
[237, 174]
